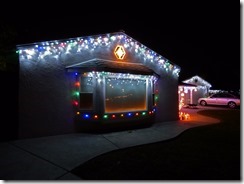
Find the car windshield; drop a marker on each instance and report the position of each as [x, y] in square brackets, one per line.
[223, 95]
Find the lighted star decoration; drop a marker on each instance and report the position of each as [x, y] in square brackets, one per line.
[119, 52]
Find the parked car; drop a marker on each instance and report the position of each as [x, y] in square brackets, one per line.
[223, 99]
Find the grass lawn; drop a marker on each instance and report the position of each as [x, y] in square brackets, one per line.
[211, 152]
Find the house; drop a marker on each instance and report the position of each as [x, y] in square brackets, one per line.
[201, 89]
[186, 93]
[67, 85]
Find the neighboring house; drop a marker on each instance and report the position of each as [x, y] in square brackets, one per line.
[202, 88]
[186, 93]
[65, 85]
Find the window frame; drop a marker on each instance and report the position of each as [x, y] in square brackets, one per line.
[91, 107]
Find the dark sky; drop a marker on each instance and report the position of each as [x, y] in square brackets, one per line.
[203, 39]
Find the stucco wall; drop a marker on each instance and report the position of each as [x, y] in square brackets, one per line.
[167, 108]
[44, 99]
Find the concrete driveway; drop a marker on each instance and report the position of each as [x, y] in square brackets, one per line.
[53, 157]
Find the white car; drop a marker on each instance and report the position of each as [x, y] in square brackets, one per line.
[223, 99]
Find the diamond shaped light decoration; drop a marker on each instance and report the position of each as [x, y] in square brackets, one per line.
[119, 52]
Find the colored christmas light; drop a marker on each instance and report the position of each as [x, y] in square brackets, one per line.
[57, 49]
[101, 75]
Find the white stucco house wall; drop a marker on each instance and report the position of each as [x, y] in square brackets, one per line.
[107, 79]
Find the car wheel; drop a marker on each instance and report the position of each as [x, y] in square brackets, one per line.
[203, 103]
[232, 105]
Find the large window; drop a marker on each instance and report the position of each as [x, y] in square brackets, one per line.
[124, 95]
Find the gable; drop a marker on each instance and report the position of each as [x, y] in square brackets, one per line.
[198, 81]
[77, 50]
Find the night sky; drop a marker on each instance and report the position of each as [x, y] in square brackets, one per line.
[203, 39]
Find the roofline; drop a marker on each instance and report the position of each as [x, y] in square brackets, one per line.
[186, 84]
[68, 39]
[78, 66]
[19, 46]
[198, 77]
[95, 59]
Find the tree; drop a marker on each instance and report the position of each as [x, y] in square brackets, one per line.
[8, 56]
